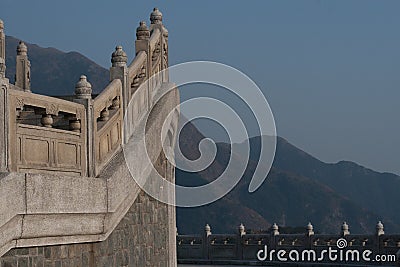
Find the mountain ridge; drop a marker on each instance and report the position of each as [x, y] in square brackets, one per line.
[54, 72]
[291, 188]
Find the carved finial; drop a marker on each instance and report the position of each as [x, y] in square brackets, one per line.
[310, 229]
[142, 32]
[345, 229]
[207, 229]
[379, 229]
[2, 68]
[156, 16]
[119, 57]
[22, 49]
[1, 25]
[83, 89]
[242, 229]
[275, 229]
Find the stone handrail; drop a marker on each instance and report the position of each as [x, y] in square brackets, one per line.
[109, 97]
[137, 68]
[108, 116]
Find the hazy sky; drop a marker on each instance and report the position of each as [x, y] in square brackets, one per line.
[330, 69]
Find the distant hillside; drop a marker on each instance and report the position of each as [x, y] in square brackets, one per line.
[54, 72]
[299, 189]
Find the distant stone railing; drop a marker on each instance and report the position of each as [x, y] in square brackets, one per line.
[79, 137]
[217, 248]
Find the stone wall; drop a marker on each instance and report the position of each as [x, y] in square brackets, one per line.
[140, 239]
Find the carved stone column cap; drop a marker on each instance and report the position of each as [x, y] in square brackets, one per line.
[380, 228]
[83, 89]
[156, 16]
[22, 49]
[275, 229]
[142, 32]
[118, 57]
[310, 229]
[345, 229]
[242, 229]
[1, 25]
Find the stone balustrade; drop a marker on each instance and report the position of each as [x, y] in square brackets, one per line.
[79, 137]
[45, 134]
[243, 247]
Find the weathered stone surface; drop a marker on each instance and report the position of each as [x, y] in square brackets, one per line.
[11, 184]
[64, 194]
[136, 241]
[57, 225]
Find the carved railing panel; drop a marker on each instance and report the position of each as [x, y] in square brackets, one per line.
[46, 134]
[252, 243]
[108, 119]
[155, 54]
[190, 246]
[389, 244]
[139, 100]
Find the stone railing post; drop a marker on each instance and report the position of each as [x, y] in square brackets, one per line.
[242, 230]
[378, 235]
[274, 236]
[83, 92]
[23, 68]
[309, 235]
[4, 126]
[156, 18]
[119, 70]
[2, 41]
[142, 44]
[310, 229]
[4, 105]
[379, 229]
[240, 243]
[206, 241]
[345, 229]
